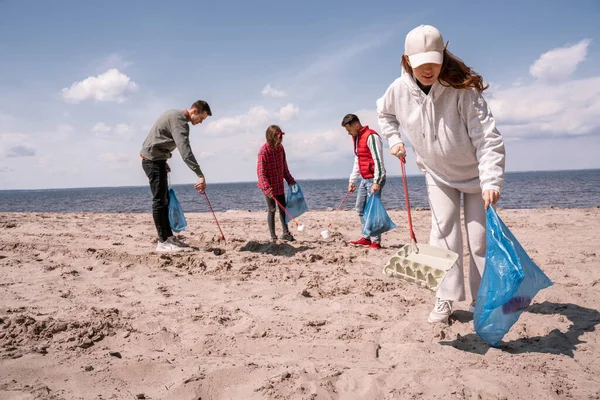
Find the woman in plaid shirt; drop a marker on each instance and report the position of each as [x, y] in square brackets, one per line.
[272, 169]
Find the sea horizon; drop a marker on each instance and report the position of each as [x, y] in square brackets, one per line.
[255, 181]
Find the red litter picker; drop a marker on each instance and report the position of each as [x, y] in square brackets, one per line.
[325, 233]
[300, 226]
[214, 216]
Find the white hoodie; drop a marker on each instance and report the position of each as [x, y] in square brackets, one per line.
[452, 132]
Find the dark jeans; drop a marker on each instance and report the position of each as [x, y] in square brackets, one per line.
[156, 171]
[272, 206]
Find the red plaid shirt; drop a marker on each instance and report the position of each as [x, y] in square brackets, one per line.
[272, 169]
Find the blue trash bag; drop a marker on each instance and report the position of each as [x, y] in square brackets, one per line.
[295, 204]
[377, 220]
[509, 283]
[176, 217]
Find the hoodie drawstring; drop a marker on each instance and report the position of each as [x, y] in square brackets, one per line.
[428, 120]
[433, 116]
[422, 119]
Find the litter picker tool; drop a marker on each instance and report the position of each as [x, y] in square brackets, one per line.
[339, 208]
[325, 233]
[214, 216]
[300, 227]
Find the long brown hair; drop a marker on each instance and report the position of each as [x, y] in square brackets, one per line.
[272, 134]
[454, 73]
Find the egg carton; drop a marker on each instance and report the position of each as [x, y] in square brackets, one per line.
[421, 264]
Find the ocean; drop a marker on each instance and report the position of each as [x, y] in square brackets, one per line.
[543, 189]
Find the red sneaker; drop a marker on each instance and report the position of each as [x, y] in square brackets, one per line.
[361, 242]
[374, 245]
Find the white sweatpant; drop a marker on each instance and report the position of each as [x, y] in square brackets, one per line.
[446, 233]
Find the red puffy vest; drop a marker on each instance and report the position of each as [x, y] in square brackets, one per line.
[366, 165]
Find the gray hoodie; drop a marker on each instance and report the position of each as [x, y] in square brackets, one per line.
[452, 132]
[170, 131]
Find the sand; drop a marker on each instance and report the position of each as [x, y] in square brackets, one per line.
[89, 311]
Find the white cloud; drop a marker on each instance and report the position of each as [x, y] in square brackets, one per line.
[317, 145]
[101, 129]
[271, 91]
[540, 109]
[257, 118]
[111, 86]
[14, 145]
[288, 112]
[559, 63]
[124, 130]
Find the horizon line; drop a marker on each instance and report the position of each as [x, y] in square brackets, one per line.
[254, 181]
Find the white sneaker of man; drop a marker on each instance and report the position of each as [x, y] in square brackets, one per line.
[168, 246]
[441, 311]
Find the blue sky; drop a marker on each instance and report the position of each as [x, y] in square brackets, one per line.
[82, 82]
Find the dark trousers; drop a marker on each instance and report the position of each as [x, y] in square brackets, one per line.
[272, 208]
[156, 171]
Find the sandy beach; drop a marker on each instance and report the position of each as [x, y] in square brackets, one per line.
[89, 311]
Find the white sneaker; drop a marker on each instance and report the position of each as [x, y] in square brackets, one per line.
[168, 246]
[441, 311]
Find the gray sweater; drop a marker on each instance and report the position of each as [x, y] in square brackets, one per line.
[170, 131]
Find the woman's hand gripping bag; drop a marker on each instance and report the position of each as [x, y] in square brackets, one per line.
[509, 283]
[176, 217]
[295, 203]
[377, 220]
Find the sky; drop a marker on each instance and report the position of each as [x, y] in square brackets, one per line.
[81, 83]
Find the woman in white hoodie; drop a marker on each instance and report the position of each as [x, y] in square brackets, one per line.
[437, 104]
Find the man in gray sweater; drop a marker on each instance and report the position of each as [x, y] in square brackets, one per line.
[170, 131]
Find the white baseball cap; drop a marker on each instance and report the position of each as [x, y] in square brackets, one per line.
[423, 45]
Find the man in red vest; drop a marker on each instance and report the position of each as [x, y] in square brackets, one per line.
[368, 164]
